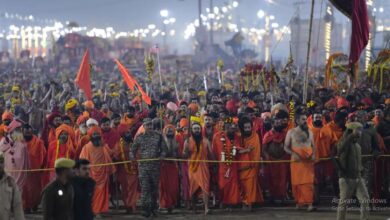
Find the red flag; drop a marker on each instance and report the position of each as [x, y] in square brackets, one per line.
[126, 76]
[360, 30]
[83, 79]
[132, 82]
[356, 10]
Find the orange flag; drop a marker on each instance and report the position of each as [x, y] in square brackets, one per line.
[83, 80]
[132, 82]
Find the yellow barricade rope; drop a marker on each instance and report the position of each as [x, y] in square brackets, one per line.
[186, 160]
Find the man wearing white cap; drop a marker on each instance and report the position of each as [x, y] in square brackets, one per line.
[92, 122]
[11, 201]
[57, 197]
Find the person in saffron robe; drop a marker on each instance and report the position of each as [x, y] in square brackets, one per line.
[92, 111]
[61, 147]
[6, 119]
[98, 153]
[81, 136]
[49, 130]
[110, 136]
[181, 136]
[330, 135]
[16, 154]
[37, 157]
[248, 172]
[127, 173]
[198, 147]
[299, 143]
[225, 146]
[273, 149]
[169, 172]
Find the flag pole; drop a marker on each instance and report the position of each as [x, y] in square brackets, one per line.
[306, 79]
[159, 68]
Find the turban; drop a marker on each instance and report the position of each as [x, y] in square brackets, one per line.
[64, 163]
[53, 116]
[367, 101]
[183, 122]
[89, 104]
[278, 107]
[15, 89]
[94, 130]
[81, 119]
[92, 121]
[14, 125]
[172, 106]
[342, 102]
[7, 115]
[387, 101]
[265, 115]
[193, 107]
[169, 127]
[195, 119]
[231, 120]
[65, 128]
[122, 129]
[70, 104]
[354, 125]
[202, 93]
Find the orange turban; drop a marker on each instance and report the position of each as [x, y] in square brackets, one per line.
[183, 122]
[81, 119]
[89, 104]
[94, 130]
[67, 129]
[122, 129]
[193, 107]
[7, 115]
[165, 130]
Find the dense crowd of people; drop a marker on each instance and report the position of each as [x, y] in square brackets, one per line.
[220, 147]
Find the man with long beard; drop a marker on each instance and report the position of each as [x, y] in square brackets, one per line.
[300, 145]
[16, 153]
[37, 155]
[98, 153]
[198, 147]
[273, 149]
[169, 172]
[249, 171]
[127, 173]
[226, 145]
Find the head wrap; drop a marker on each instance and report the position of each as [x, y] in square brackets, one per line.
[202, 93]
[70, 104]
[7, 115]
[54, 115]
[89, 104]
[15, 88]
[64, 163]
[92, 121]
[14, 125]
[342, 102]
[81, 119]
[278, 107]
[172, 106]
[387, 101]
[354, 125]
[94, 130]
[65, 128]
[183, 123]
[195, 119]
[165, 130]
[122, 129]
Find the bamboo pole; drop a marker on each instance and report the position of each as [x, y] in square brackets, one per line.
[308, 54]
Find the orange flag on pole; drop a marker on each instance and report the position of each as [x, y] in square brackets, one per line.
[83, 80]
[132, 82]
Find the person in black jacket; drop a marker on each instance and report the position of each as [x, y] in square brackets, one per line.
[83, 186]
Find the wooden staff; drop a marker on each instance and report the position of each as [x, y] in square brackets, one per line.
[308, 54]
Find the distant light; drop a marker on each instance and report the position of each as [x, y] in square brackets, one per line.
[274, 25]
[32, 17]
[151, 26]
[208, 10]
[172, 32]
[162, 33]
[381, 9]
[271, 17]
[235, 4]
[224, 9]
[216, 10]
[164, 13]
[166, 21]
[211, 16]
[260, 14]
[172, 20]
